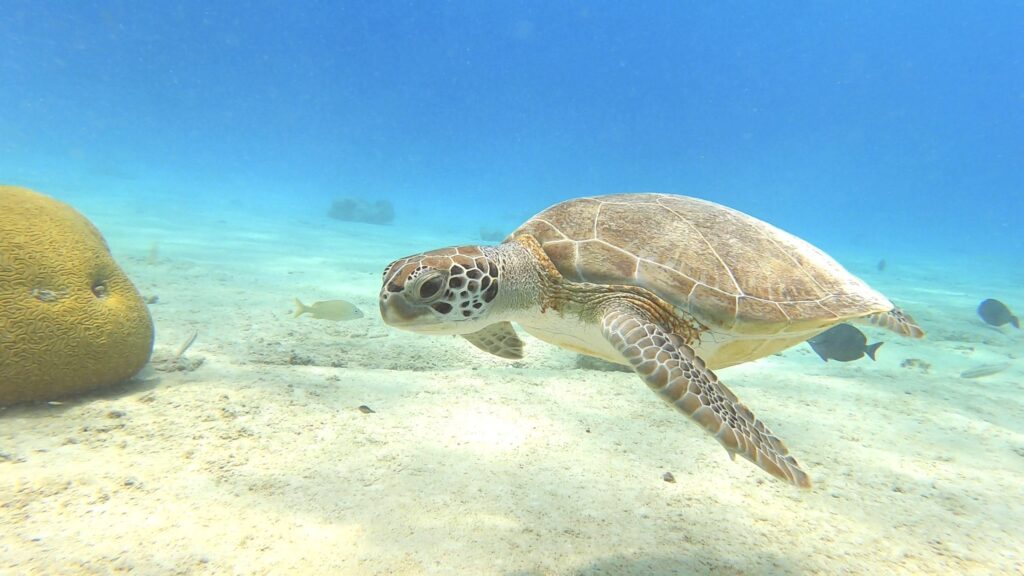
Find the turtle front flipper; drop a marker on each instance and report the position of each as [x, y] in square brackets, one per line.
[499, 339]
[672, 369]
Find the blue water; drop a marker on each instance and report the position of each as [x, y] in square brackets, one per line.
[871, 128]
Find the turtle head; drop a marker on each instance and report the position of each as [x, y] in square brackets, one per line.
[446, 291]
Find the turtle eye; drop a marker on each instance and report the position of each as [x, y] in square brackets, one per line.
[430, 287]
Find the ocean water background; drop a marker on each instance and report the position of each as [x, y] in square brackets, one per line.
[874, 129]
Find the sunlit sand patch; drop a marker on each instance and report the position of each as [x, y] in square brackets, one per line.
[479, 519]
[486, 428]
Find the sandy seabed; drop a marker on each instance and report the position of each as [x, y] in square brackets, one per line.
[256, 459]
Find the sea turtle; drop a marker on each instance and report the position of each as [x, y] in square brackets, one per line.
[671, 286]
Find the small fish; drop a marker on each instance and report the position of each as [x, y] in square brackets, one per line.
[843, 343]
[881, 265]
[984, 370]
[996, 313]
[333, 310]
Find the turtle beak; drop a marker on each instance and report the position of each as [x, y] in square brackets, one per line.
[396, 310]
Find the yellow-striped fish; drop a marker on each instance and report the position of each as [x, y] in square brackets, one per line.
[333, 310]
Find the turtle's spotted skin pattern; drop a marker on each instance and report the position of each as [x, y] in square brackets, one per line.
[671, 286]
[455, 282]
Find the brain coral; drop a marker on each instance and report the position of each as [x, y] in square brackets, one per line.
[70, 320]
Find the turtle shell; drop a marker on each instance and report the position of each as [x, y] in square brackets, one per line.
[732, 272]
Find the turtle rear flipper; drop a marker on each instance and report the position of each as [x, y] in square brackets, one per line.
[671, 368]
[896, 320]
